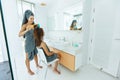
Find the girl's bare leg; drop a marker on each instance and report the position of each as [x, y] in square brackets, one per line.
[55, 68]
[54, 50]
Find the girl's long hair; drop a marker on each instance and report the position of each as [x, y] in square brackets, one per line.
[38, 35]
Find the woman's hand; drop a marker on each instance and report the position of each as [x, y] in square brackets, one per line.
[52, 52]
[35, 25]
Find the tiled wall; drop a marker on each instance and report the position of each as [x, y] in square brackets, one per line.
[69, 36]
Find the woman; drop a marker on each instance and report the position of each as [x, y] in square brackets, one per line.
[26, 31]
[50, 55]
[73, 25]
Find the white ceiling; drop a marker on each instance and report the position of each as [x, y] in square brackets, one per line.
[75, 9]
[48, 2]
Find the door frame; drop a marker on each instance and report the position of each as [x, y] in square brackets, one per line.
[6, 41]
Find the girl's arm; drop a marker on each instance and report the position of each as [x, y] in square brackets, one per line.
[48, 53]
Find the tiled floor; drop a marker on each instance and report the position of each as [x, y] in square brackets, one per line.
[87, 72]
[5, 73]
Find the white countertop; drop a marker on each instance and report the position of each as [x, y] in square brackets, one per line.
[72, 50]
[66, 48]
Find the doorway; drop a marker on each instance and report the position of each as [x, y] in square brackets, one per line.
[5, 63]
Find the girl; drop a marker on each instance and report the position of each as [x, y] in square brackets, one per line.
[50, 55]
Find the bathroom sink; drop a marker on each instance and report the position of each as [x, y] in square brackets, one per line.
[57, 44]
[60, 44]
[64, 46]
[72, 50]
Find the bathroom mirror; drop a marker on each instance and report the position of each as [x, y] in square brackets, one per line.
[58, 17]
[63, 18]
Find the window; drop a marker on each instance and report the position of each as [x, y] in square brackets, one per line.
[22, 6]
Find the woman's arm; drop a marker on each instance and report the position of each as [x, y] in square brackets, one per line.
[23, 31]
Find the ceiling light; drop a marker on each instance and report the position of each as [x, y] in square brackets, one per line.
[43, 4]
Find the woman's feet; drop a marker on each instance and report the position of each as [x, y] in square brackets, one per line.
[40, 67]
[56, 71]
[30, 72]
[50, 65]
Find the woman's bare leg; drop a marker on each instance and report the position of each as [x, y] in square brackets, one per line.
[36, 61]
[27, 62]
[55, 68]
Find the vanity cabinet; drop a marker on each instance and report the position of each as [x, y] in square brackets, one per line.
[70, 56]
[70, 61]
[67, 60]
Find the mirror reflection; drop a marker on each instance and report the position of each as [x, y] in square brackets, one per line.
[73, 17]
[73, 26]
[62, 19]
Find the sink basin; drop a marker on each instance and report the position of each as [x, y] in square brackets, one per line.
[72, 50]
[65, 46]
[58, 44]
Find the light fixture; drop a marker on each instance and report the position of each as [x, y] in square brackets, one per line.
[43, 4]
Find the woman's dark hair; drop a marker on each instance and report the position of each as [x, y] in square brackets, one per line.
[27, 14]
[38, 35]
[74, 21]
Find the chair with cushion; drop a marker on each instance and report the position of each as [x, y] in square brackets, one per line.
[43, 59]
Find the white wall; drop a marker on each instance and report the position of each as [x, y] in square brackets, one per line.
[60, 5]
[106, 52]
[115, 51]
[86, 28]
[12, 30]
[104, 22]
[69, 36]
[41, 16]
[3, 50]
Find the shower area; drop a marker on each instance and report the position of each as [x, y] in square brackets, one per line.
[5, 70]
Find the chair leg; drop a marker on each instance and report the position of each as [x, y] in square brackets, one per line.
[45, 73]
[59, 67]
[40, 62]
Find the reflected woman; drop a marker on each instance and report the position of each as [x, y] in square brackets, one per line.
[73, 25]
[27, 31]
